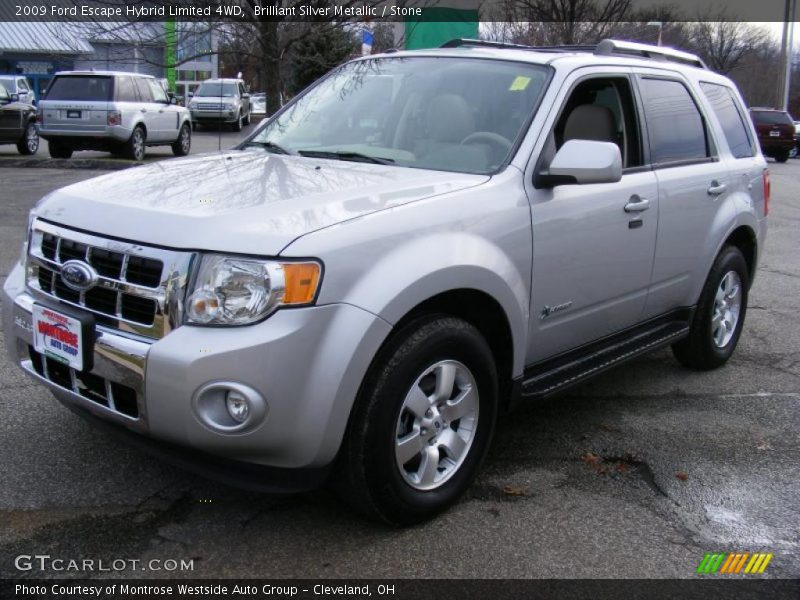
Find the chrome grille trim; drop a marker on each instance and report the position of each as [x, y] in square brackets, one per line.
[167, 297]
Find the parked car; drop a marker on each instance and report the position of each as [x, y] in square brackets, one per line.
[19, 85]
[221, 101]
[116, 112]
[258, 104]
[356, 291]
[793, 153]
[17, 123]
[776, 132]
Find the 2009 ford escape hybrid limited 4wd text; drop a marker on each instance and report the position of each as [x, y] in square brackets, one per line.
[419, 241]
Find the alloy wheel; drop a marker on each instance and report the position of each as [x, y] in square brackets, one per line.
[727, 307]
[436, 425]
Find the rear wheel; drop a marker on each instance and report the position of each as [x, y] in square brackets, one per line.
[720, 313]
[183, 144]
[58, 150]
[29, 142]
[135, 146]
[422, 424]
[782, 157]
[247, 119]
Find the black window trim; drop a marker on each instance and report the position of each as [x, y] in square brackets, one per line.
[711, 144]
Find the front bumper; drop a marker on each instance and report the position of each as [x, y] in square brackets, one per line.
[308, 364]
[216, 116]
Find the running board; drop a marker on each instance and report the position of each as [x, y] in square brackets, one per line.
[560, 373]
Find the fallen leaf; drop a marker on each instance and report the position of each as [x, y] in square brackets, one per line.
[591, 459]
[764, 446]
[682, 475]
[514, 490]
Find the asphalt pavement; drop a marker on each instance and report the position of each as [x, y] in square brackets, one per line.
[636, 474]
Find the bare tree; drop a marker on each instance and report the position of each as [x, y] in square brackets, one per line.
[724, 44]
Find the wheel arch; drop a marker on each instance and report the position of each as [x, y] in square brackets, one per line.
[744, 238]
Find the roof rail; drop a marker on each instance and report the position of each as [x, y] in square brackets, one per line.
[616, 47]
[462, 42]
[604, 48]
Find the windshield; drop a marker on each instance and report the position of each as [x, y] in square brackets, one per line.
[8, 83]
[226, 90]
[88, 87]
[772, 117]
[451, 114]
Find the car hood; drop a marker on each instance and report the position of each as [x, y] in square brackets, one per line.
[246, 201]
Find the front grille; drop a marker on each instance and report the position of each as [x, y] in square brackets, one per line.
[139, 288]
[115, 396]
[210, 106]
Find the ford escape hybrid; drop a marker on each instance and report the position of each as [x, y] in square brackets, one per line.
[417, 242]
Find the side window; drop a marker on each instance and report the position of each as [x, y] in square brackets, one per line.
[731, 118]
[676, 127]
[241, 90]
[159, 95]
[125, 90]
[602, 109]
[143, 89]
[22, 85]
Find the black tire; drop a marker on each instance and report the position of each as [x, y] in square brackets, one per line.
[183, 145]
[782, 157]
[135, 147]
[699, 351]
[369, 477]
[237, 124]
[57, 150]
[247, 119]
[28, 144]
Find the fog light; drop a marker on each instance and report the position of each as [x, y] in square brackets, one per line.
[238, 407]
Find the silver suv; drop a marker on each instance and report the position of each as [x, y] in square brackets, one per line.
[117, 112]
[221, 101]
[419, 241]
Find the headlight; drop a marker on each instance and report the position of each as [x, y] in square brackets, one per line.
[236, 291]
[231, 105]
[192, 105]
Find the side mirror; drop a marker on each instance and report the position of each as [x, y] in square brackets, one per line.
[245, 95]
[190, 94]
[14, 97]
[173, 100]
[584, 161]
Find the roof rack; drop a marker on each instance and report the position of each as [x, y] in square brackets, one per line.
[604, 48]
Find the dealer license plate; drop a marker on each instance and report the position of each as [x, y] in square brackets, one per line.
[73, 114]
[774, 133]
[58, 336]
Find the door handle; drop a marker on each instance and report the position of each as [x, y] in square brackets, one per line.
[716, 188]
[637, 204]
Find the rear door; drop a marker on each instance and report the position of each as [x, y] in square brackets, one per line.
[167, 114]
[78, 103]
[148, 109]
[693, 182]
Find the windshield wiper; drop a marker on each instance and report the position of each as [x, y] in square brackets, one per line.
[272, 146]
[346, 155]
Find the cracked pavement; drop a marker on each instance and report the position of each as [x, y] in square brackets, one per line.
[635, 474]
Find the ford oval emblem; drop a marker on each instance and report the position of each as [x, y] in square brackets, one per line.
[78, 276]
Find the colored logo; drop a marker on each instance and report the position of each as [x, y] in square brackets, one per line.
[734, 563]
[78, 276]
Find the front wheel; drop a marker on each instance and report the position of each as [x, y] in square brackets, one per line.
[423, 422]
[237, 124]
[183, 144]
[29, 142]
[719, 316]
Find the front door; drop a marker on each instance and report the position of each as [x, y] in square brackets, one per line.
[593, 244]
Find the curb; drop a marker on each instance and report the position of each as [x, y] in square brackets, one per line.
[68, 163]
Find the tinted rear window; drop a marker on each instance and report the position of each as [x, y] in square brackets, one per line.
[676, 127]
[87, 88]
[730, 117]
[771, 117]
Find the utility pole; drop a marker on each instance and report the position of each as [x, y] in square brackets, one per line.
[787, 51]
